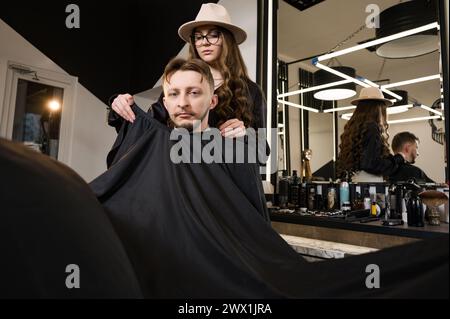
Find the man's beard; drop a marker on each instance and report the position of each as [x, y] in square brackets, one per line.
[188, 125]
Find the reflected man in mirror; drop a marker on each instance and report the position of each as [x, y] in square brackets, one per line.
[407, 145]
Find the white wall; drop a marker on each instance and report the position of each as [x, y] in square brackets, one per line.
[92, 138]
[245, 15]
[320, 139]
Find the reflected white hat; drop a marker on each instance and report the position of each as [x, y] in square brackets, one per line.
[372, 93]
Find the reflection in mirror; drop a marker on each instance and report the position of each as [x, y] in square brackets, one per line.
[303, 35]
[37, 116]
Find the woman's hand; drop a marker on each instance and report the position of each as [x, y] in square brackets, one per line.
[233, 128]
[122, 106]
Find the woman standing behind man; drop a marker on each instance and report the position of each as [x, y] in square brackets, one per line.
[364, 149]
[214, 39]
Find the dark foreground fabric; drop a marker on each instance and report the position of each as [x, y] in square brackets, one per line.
[192, 232]
[50, 219]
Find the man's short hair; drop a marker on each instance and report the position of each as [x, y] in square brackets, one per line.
[196, 65]
[401, 139]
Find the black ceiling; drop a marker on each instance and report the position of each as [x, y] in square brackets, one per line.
[303, 4]
[120, 47]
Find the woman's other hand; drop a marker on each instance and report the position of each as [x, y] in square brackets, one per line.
[122, 106]
[233, 128]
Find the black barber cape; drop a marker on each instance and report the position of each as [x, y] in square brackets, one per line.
[53, 231]
[196, 231]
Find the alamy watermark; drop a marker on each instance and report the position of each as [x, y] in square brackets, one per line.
[73, 279]
[73, 19]
[210, 147]
[373, 19]
[373, 279]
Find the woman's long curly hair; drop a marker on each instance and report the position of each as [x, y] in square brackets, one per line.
[367, 113]
[234, 92]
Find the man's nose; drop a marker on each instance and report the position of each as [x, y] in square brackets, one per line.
[183, 101]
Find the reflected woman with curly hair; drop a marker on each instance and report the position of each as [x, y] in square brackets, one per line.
[364, 149]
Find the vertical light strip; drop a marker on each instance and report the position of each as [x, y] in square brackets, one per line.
[334, 134]
[284, 128]
[269, 85]
[302, 129]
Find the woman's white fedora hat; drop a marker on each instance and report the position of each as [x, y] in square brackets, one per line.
[214, 14]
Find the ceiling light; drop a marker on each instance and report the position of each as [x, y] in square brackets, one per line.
[429, 109]
[54, 106]
[340, 92]
[399, 109]
[338, 109]
[335, 93]
[348, 116]
[391, 93]
[314, 88]
[414, 119]
[418, 80]
[298, 106]
[400, 35]
[405, 16]
[390, 110]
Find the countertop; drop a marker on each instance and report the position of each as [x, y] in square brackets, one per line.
[371, 227]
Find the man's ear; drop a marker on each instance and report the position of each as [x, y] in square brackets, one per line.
[164, 102]
[214, 101]
[407, 148]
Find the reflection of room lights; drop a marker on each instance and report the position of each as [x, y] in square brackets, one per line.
[298, 106]
[429, 109]
[334, 94]
[342, 75]
[314, 88]
[54, 106]
[418, 80]
[415, 119]
[404, 16]
[341, 92]
[348, 116]
[362, 82]
[379, 41]
[389, 110]
[338, 109]
[399, 109]
[397, 97]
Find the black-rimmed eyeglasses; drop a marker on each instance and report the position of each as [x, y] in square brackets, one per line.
[211, 37]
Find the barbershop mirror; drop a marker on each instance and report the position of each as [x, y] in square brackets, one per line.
[309, 31]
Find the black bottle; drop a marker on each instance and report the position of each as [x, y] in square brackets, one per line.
[414, 209]
[303, 196]
[294, 190]
[311, 197]
[283, 190]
